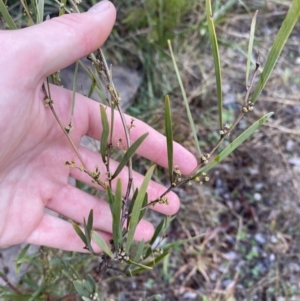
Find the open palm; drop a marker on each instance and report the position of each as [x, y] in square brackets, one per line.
[33, 147]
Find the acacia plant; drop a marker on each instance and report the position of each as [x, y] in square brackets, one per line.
[128, 207]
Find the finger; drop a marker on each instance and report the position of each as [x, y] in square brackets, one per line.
[59, 42]
[57, 233]
[76, 205]
[154, 190]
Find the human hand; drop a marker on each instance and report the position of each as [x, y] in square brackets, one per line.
[33, 147]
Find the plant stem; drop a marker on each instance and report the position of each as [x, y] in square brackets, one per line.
[50, 104]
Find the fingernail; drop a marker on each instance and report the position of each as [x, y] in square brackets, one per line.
[99, 7]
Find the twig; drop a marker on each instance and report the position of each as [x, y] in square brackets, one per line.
[49, 102]
[10, 285]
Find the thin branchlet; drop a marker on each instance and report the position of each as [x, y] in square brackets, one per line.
[49, 102]
[114, 101]
[205, 159]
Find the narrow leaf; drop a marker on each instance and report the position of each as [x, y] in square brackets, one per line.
[104, 134]
[131, 205]
[87, 285]
[216, 57]
[92, 88]
[74, 93]
[189, 114]
[145, 267]
[157, 231]
[37, 292]
[142, 212]
[110, 196]
[233, 145]
[139, 252]
[280, 40]
[116, 215]
[20, 257]
[6, 16]
[15, 297]
[134, 219]
[101, 243]
[250, 47]
[148, 253]
[90, 221]
[87, 233]
[169, 135]
[151, 263]
[80, 233]
[80, 288]
[129, 153]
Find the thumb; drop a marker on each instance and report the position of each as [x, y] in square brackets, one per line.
[59, 42]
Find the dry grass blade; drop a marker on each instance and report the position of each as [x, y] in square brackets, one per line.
[190, 118]
[250, 47]
[216, 57]
[287, 26]
[169, 135]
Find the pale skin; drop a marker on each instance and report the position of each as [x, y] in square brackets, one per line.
[34, 148]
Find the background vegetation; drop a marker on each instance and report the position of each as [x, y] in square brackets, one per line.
[249, 210]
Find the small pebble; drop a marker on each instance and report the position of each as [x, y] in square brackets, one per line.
[259, 238]
[190, 295]
[290, 145]
[257, 196]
